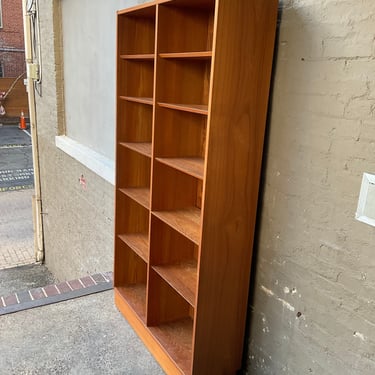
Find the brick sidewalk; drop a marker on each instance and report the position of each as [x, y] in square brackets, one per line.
[16, 228]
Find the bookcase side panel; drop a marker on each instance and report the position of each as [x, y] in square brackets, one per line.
[243, 51]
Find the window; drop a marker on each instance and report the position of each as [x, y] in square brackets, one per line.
[1, 69]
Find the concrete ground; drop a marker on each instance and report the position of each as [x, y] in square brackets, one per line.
[22, 278]
[16, 228]
[84, 336]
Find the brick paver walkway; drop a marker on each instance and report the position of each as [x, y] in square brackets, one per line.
[16, 228]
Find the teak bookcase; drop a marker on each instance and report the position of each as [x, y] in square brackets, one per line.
[192, 91]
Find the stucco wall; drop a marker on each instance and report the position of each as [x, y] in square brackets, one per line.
[78, 221]
[313, 307]
[89, 39]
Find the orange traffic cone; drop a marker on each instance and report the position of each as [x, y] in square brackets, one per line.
[22, 121]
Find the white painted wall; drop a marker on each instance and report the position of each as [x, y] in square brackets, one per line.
[89, 40]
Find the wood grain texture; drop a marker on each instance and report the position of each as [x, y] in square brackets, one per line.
[131, 216]
[143, 100]
[201, 55]
[134, 122]
[177, 337]
[140, 195]
[134, 168]
[145, 333]
[138, 242]
[144, 148]
[193, 108]
[191, 166]
[140, 56]
[179, 134]
[135, 296]
[185, 221]
[182, 277]
[205, 84]
[243, 49]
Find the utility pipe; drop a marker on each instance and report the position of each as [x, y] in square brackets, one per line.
[37, 202]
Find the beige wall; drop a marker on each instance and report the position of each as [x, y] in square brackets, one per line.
[313, 304]
[314, 297]
[78, 221]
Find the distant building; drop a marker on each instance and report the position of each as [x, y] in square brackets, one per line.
[12, 51]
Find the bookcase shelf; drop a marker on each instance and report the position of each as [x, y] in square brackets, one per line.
[135, 297]
[193, 108]
[182, 277]
[192, 88]
[132, 284]
[138, 242]
[199, 55]
[140, 56]
[177, 338]
[143, 148]
[140, 195]
[142, 100]
[185, 221]
[191, 166]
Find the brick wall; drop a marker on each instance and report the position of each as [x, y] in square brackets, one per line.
[313, 305]
[12, 54]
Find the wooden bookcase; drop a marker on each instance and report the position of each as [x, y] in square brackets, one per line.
[192, 91]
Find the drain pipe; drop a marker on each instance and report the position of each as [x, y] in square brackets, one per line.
[33, 74]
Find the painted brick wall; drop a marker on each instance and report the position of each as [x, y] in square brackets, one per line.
[12, 54]
[313, 306]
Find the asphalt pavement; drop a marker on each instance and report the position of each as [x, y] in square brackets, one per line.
[16, 164]
[16, 190]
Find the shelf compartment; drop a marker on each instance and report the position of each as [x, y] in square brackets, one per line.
[185, 26]
[140, 195]
[191, 166]
[136, 31]
[131, 217]
[143, 148]
[173, 189]
[181, 135]
[134, 122]
[199, 55]
[176, 338]
[182, 277]
[133, 169]
[131, 278]
[192, 108]
[138, 242]
[185, 221]
[170, 320]
[138, 78]
[142, 100]
[174, 257]
[187, 85]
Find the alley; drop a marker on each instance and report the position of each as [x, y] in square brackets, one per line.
[16, 190]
